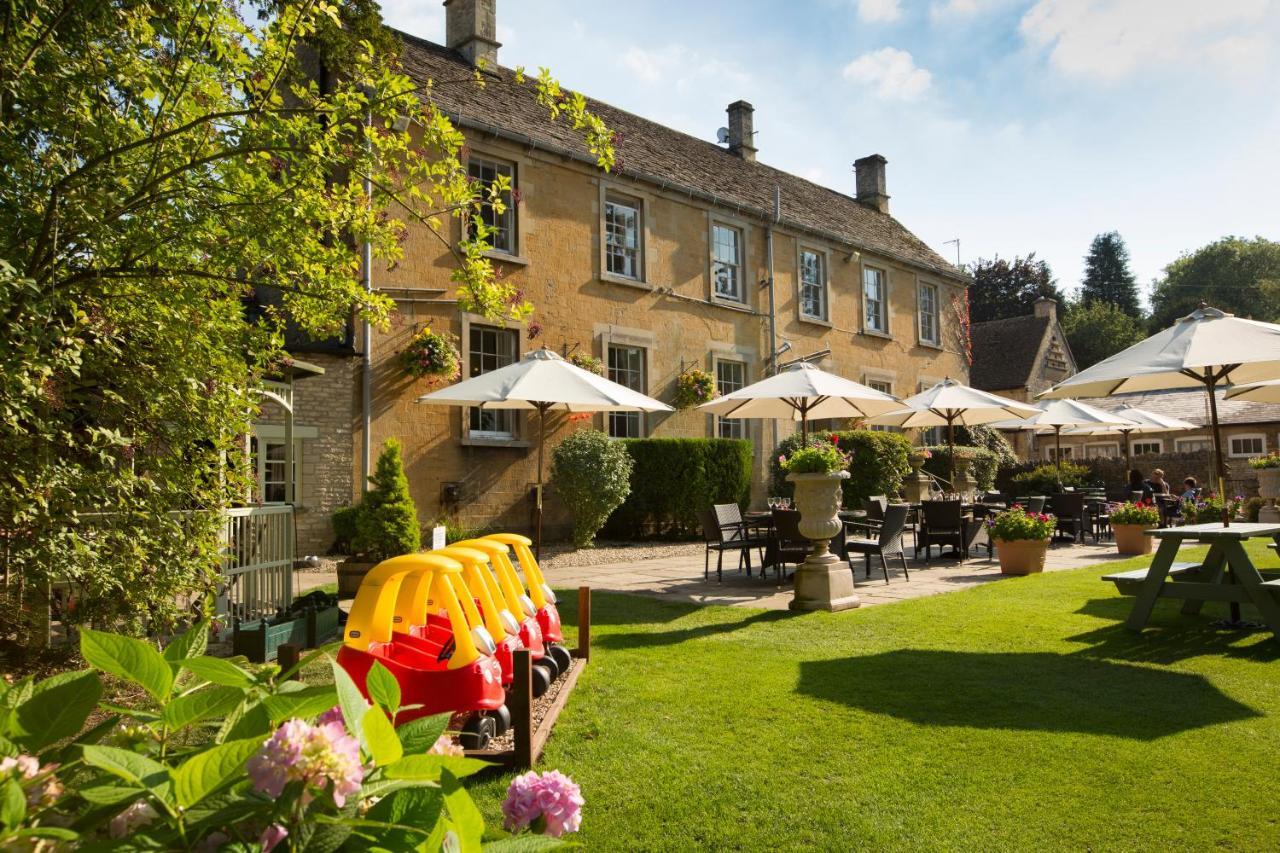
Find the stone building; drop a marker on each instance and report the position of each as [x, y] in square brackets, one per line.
[675, 260]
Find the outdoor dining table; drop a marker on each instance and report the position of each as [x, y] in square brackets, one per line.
[1227, 574]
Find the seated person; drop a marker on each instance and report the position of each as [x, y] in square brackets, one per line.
[1159, 485]
[1137, 483]
[1189, 489]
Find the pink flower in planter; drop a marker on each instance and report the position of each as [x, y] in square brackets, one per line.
[271, 836]
[549, 802]
[27, 767]
[140, 813]
[314, 755]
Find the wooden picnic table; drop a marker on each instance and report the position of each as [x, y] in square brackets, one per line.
[1227, 574]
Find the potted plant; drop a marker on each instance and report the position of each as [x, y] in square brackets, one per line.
[1129, 521]
[1021, 539]
[431, 354]
[816, 471]
[587, 362]
[385, 523]
[1268, 470]
[693, 388]
[918, 457]
[1208, 510]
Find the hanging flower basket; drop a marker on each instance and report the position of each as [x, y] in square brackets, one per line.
[431, 354]
[589, 363]
[693, 388]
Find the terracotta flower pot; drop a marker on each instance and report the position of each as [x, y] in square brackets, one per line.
[1130, 538]
[1021, 556]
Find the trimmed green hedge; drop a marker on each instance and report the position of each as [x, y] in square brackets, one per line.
[878, 465]
[674, 479]
[982, 467]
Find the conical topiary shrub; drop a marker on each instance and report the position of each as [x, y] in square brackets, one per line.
[388, 522]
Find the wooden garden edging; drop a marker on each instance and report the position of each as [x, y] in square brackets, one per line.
[530, 742]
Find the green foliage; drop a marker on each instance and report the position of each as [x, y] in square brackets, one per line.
[983, 464]
[1107, 277]
[991, 439]
[693, 388]
[1016, 523]
[592, 475]
[346, 526]
[1098, 330]
[1045, 480]
[1271, 460]
[820, 456]
[877, 464]
[1136, 513]
[676, 478]
[587, 362]
[1004, 288]
[1233, 274]
[387, 524]
[1207, 510]
[433, 354]
[162, 167]
[1251, 508]
[181, 755]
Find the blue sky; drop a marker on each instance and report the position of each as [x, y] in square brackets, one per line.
[1013, 125]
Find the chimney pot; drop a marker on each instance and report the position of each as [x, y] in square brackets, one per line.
[471, 28]
[742, 130]
[1046, 307]
[870, 180]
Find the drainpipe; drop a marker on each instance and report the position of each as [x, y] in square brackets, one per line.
[366, 372]
[773, 314]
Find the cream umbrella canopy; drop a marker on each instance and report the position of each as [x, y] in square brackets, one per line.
[1205, 349]
[949, 403]
[1145, 423]
[542, 381]
[1058, 414]
[799, 392]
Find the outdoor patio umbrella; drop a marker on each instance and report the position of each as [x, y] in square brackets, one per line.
[799, 392]
[544, 381]
[1204, 349]
[1145, 424]
[949, 403]
[1255, 392]
[1057, 414]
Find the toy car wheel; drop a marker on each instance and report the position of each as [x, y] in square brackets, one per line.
[541, 680]
[502, 717]
[553, 671]
[478, 731]
[562, 656]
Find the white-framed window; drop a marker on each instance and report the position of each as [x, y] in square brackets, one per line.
[627, 367]
[489, 348]
[624, 236]
[486, 172]
[927, 306]
[885, 386]
[1102, 450]
[934, 436]
[1146, 446]
[271, 471]
[875, 293]
[730, 376]
[1051, 453]
[1247, 445]
[1192, 445]
[726, 262]
[813, 284]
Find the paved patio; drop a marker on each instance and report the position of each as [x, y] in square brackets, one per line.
[678, 577]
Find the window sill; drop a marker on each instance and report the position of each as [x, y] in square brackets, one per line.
[732, 304]
[610, 278]
[518, 443]
[877, 334]
[929, 345]
[817, 321]
[503, 257]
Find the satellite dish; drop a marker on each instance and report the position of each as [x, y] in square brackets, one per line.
[722, 135]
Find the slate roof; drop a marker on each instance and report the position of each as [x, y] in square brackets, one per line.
[1193, 405]
[1004, 352]
[656, 154]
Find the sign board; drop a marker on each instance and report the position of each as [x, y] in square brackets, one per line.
[437, 538]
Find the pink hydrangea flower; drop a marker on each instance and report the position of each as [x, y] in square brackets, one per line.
[314, 755]
[138, 814]
[550, 802]
[27, 767]
[271, 836]
[333, 715]
[445, 745]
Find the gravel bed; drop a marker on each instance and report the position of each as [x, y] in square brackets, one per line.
[540, 707]
[606, 553]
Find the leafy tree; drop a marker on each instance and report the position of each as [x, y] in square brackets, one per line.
[1234, 274]
[159, 164]
[1107, 277]
[592, 475]
[1098, 330]
[1003, 288]
[387, 523]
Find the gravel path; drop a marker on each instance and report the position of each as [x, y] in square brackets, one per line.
[607, 553]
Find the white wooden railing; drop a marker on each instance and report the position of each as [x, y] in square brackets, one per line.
[257, 561]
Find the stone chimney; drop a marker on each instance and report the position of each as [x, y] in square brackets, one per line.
[870, 176]
[742, 135]
[471, 28]
[1046, 307]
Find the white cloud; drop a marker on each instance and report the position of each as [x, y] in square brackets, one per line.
[1111, 39]
[954, 8]
[892, 73]
[879, 11]
[681, 67]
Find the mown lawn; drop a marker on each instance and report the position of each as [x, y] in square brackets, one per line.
[1016, 715]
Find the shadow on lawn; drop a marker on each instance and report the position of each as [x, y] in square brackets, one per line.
[1170, 636]
[1032, 691]
[647, 639]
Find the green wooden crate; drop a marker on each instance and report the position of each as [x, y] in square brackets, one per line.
[260, 642]
[322, 626]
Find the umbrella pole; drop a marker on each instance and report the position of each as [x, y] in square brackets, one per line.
[1057, 434]
[951, 452]
[1128, 459]
[804, 424]
[542, 438]
[1211, 380]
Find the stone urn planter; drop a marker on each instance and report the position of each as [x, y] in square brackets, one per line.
[1132, 539]
[1021, 556]
[823, 580]
[1269, 490]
